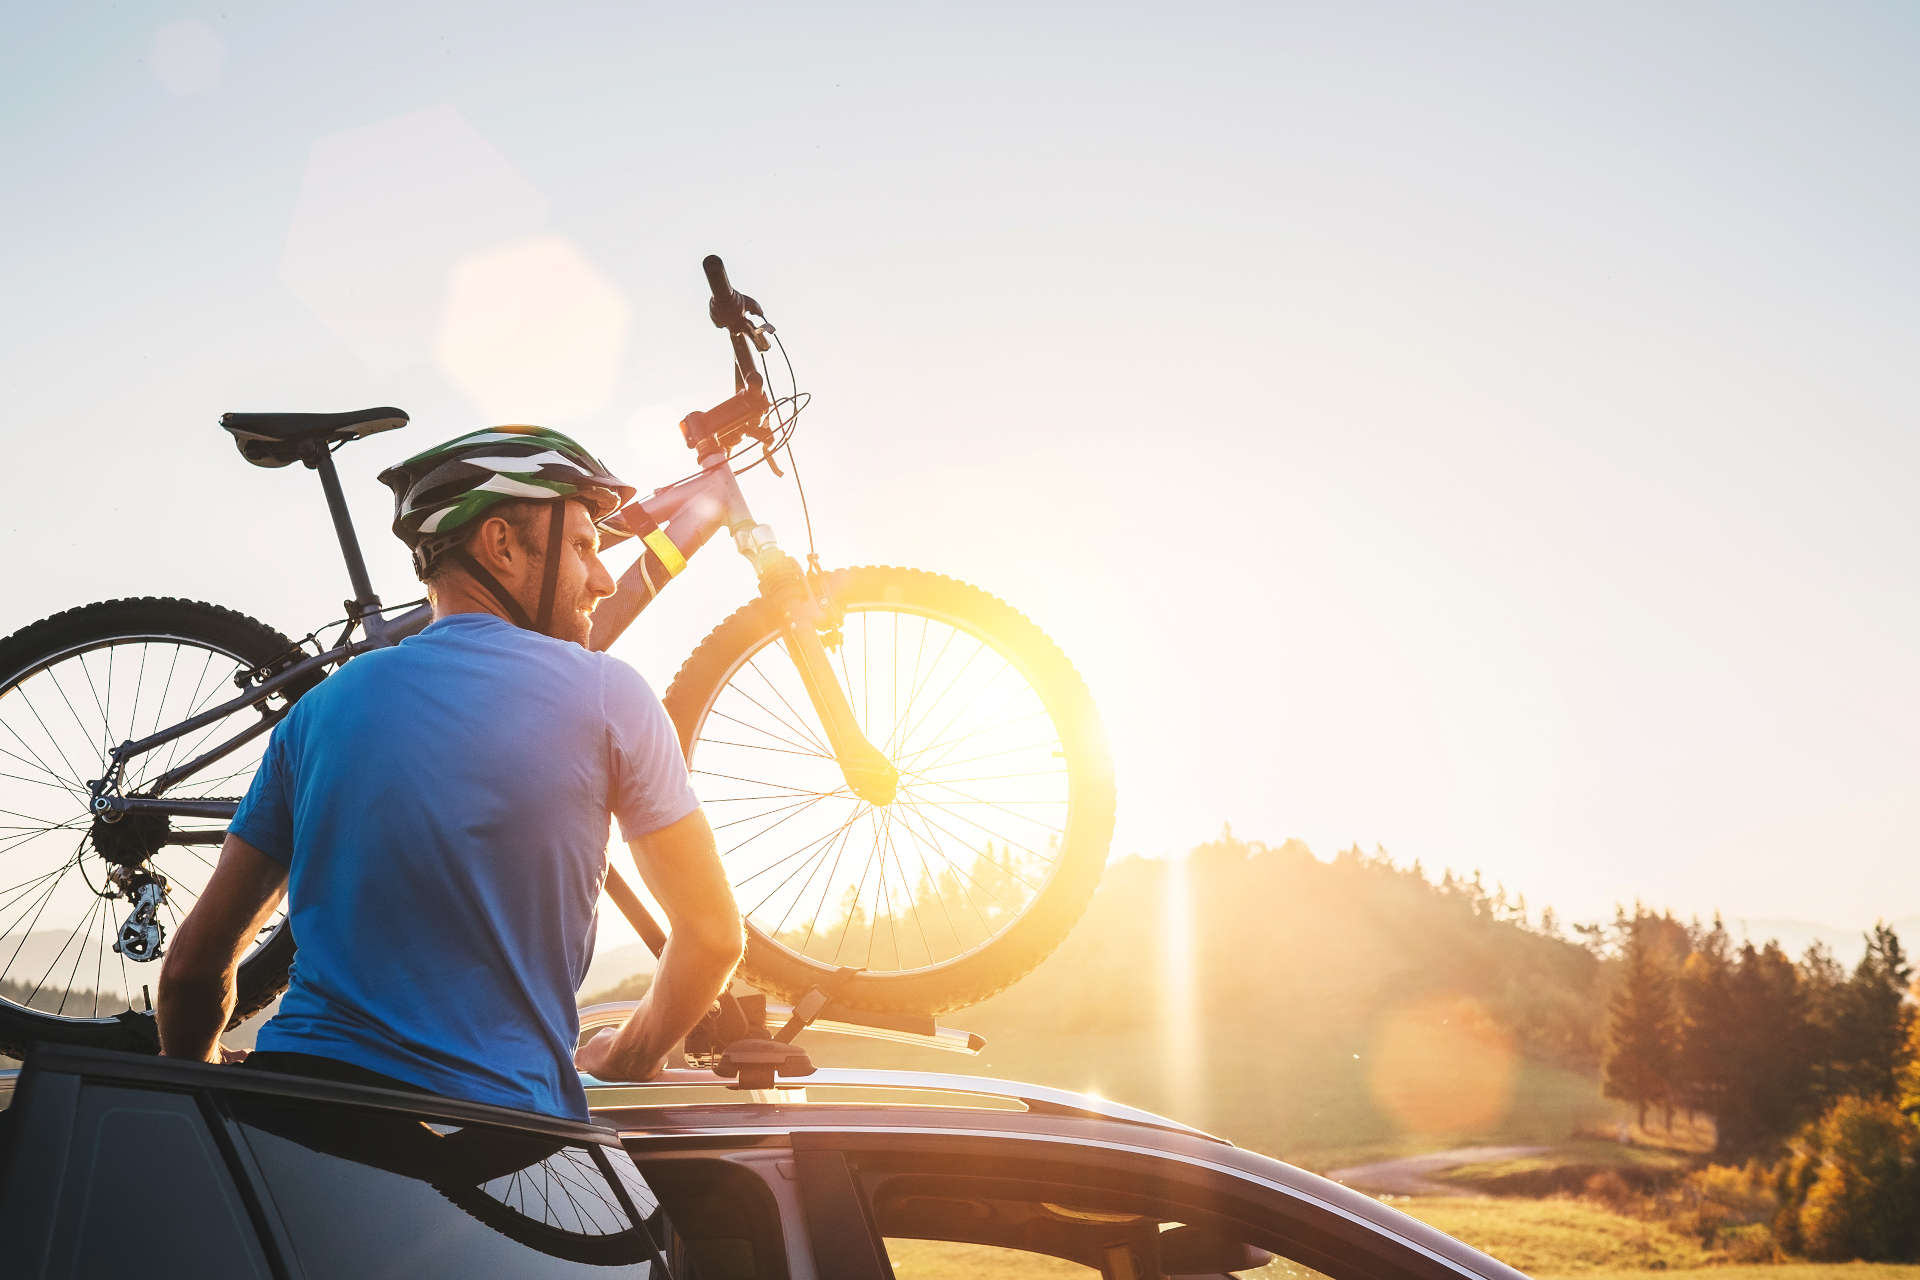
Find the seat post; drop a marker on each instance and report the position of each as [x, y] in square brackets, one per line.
[320, 458]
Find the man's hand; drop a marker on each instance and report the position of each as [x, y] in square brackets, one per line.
[605, 1058]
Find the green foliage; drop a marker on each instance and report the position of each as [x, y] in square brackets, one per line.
[1872, 1020]
[1850, 1187]
[1729, 1207]
[1907, 1079]
[1640, 1063]
[1747, 1036]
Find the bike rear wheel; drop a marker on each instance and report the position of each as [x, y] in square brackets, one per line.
[72, 687]
[1000, 829]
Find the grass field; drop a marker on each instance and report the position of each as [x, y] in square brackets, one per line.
[934, 1260]
[1567, 1168]
[1558, 1236]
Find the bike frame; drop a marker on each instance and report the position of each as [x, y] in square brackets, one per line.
[670, 525]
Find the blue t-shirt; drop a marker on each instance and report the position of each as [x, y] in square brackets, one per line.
[442, 807]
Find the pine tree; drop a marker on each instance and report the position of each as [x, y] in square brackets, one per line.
[1870, 1036]
[1709, 1035]
[1767, 1091]
[1639, 1062]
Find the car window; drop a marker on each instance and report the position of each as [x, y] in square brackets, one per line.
[951, 1215]
[726, 1223]
[374, 1194]
[148, 1192]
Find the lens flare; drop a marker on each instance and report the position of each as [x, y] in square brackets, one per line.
[1441, 1065]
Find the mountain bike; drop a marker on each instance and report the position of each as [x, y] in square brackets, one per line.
[907, 779]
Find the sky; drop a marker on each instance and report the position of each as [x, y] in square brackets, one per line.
[1482, 431]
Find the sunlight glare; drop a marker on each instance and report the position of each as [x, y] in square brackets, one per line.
[1179, 996]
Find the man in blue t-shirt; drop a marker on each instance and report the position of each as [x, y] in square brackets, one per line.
[436, 816]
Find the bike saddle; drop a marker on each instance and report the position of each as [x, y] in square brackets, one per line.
[276, 439]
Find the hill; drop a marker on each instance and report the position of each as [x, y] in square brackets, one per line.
[1318, 1010]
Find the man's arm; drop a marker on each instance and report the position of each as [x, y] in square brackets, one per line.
[682, 869]
[196, 979]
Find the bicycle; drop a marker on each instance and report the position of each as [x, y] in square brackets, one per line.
[972, 795]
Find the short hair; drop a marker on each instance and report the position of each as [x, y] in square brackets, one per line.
[528, 516]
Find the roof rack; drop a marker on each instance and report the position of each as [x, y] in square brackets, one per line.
[1036, 1099]
[921, 1032]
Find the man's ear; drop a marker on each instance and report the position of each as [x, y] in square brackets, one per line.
[496, 544]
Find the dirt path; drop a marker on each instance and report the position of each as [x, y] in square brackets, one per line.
[1411, 1175]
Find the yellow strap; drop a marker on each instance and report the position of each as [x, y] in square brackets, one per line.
[662, 547]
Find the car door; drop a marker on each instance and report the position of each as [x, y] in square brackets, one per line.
[909, 1204]
[119, 1165]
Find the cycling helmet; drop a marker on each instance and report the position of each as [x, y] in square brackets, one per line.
[439, 494]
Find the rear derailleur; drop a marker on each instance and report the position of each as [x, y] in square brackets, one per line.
[142, 936]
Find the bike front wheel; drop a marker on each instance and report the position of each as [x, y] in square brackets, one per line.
[992, 846]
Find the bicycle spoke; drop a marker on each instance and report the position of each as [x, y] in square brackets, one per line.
[757, 782]
[803, 748]
[196, 703]
[998, 806]
[753, 663]
[106, 729]
[826, 885]
[805, 739]
[913, 904]
[779, 808]
[894, 737]
[756, 835]
[999, 777]
[43, 900]
[966, 706]
[1050, 746]
[73, 773]
[819, 842]
[962, 871]
[932, 821]
[73, 938]
[15, 842]
[748, 746]
[926, 871]
[817, 864]
[86, 734]
[31, 881]
[65, 784]
[846, 924]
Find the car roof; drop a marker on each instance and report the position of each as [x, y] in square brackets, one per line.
[649, 1115]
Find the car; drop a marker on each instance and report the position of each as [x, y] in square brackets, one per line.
[115, 1164]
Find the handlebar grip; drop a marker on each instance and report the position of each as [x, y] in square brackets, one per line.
[717, 277]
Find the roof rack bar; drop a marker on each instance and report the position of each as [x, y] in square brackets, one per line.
[1038, 1099]
[850, 1023]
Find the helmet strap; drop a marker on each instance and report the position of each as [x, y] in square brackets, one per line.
[556, 527]
[515, 613]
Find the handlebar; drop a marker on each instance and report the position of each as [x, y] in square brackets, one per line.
[728, 310]
[745, 412]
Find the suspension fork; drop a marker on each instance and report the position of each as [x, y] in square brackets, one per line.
[867, 770]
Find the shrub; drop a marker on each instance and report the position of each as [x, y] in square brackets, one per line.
[1611, 1190]
[1849, 1190]
[1749, 1242]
